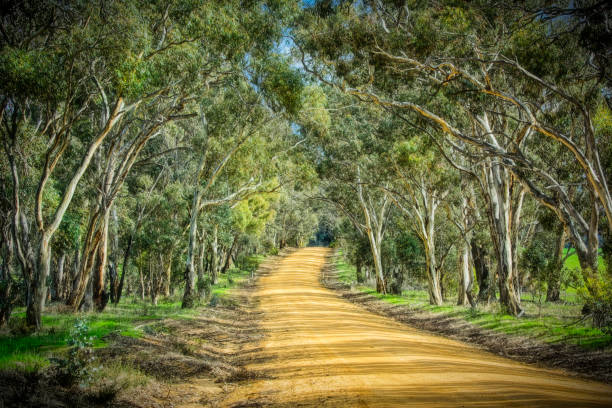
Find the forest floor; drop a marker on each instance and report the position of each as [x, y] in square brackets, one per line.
[319, 349]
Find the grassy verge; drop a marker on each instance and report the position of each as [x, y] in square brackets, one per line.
[572, 261]
[31, 352]
[547, 322]
[235, 277]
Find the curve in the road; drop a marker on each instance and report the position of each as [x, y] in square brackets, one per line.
[321, 350]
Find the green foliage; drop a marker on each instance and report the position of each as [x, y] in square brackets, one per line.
[204, 286]
[31, 73]
[77, 365]
[67, 331]
[554, 323]
[347, 273]
[231, 108]
[281, 83]
[248, 263]
[598, 302]
[313, 113]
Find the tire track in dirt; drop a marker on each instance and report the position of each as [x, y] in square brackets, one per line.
[321, 350]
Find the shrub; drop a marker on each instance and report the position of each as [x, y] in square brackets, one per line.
[598, 303]
[76, 366]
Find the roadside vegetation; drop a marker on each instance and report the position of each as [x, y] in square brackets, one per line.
[71, 347]
[550, 322]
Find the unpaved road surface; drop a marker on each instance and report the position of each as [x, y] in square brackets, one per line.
[321, 350]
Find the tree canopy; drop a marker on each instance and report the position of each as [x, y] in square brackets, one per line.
[150, 147]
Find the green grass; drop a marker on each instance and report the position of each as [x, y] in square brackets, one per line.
[30, 352]
[125, 319]
[235, 277]
[346, 273]
[572, 262]
[547, 322]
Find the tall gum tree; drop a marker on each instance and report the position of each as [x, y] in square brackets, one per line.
[238, 134]
[423, 183]
[382, 49]
[348, 154]
[73, 72]
[183, 56]
[50, 112]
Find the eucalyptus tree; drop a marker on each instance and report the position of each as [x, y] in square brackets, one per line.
[184, 55]
[486, 82]
[294, 220]
[52, 65]
[152, 195]
[81, 76]
[160, 236]
[235, 152]
[250, 218]
[464, 215]
[8, 279]
[348, 155]
[423, 183]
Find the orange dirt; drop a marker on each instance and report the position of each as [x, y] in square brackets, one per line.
[321, 350]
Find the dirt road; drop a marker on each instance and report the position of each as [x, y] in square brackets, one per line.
[321, 350]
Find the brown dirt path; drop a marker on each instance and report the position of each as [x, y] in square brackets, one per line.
[321, 350]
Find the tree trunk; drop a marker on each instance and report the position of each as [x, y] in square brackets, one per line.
[465, 276]
[501, 214]
[483, 276]
[89, 256]
[142, 283]
[507, 293]
[465, 271]
[426, 218]
[113, 270]
[589, 264]
[6, 301]
[374, 229]
[168, 276]
[154, 279]
[201, 269]
[433, 279]
[7, 292]
[76, 266]
[39, 285]
[424, 203]
[381, 287]
[124, 267]
[113, 277]
[100, 296]
[553, 283]
[87, 302]
[58, 279]
[190, 273]
[214, 261]
[230, 254]
[378, 268]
